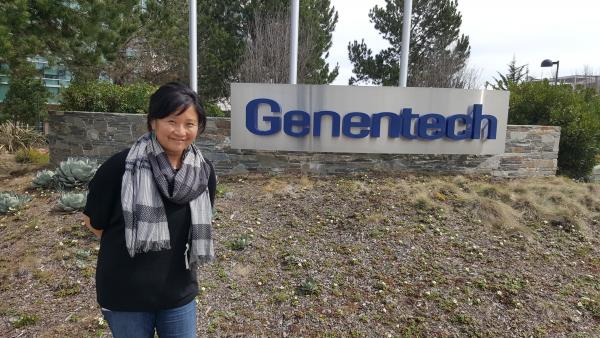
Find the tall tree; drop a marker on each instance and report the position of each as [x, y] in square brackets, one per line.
[317, 23]
[438, 52]
[515, 75]
[158, 51]
[80, 34]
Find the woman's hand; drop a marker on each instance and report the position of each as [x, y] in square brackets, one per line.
[88, 224]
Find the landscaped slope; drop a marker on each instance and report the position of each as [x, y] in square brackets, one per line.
[364, 256]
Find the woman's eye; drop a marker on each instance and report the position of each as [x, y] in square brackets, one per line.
[191, 125]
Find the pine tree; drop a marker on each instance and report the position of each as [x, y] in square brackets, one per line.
[82, 34]
[438, 52]
[516, 75]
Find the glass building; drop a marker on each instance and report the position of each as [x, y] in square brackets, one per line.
[55, 78]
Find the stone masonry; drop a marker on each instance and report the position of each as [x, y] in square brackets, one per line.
[530, 150]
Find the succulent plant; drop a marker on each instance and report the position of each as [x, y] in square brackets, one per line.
[240, 243]
[10, 202]
[44, 179]
[308, 287]
[72, 201]
[75, 172]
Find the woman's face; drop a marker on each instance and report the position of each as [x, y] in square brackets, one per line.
[176, 132]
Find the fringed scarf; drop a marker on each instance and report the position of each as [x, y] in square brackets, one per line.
[148, 175]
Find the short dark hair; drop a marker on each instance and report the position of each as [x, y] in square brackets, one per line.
[175, 97]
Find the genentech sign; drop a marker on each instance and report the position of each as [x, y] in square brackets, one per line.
[368, 119]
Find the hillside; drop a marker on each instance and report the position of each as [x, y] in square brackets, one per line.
[360, 256]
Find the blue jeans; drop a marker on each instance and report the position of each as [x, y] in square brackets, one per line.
[179, 322]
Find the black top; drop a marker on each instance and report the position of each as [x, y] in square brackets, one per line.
[149, 281]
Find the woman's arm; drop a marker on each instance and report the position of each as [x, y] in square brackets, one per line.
[86, 221]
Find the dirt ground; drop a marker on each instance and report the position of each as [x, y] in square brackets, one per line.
[354, 256]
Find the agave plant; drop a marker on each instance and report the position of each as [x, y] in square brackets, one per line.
[75, 172]
[44, 179]
[72, 201]
[308, 287]
[240, 243]
[10, 202]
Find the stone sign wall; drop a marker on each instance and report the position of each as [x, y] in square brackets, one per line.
[530, 150]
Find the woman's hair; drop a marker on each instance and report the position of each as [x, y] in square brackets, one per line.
[175, 97]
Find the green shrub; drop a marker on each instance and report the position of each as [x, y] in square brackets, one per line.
[213, 110]
[44, 179]
[32, 155]
[13, 137]
[25, 320]
[240, 243]
[104, 96]
[72, 201]
[308, 287]
[10, 202]
[577, 112]
[74, 173]
[25, 101]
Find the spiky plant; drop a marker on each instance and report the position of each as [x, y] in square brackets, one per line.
[308, 287]
[44, 179]
[74, 172]
[11, 202]
[240, 243]
[72, 201]
[13, 137]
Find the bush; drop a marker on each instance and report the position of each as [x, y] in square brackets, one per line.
[72, 201]
[44, 179]
[213, 110]
[10, 202]
[25, 101]
[32, 155]
[577, 112]
[74, 173]
[104, 96]
[13, 137]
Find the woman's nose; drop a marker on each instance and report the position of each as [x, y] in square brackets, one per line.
[179, 129]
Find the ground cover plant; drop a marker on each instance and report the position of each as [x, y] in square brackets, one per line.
[358, 256]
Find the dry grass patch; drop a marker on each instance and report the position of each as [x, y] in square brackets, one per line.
[499, 216]
[276, 186]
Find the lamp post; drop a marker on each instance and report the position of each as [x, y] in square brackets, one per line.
[550, 63]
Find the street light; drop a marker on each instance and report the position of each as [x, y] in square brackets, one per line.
[550, 63]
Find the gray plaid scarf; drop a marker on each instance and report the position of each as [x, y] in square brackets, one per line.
[148, 174]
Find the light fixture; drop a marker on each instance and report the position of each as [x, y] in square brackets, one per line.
[550, 63]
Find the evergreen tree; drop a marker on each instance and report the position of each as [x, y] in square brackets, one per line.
[438, 52]
[80, 34]
[516, 74]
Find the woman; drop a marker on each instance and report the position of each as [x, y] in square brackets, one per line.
[151, 206]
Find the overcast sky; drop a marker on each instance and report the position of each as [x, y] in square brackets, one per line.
[531, 30]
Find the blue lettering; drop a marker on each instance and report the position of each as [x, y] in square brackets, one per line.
[407, 117]
[252, 117]
[451, 127]
[478, 118]
[297, 123]
[394, 122]
[289, 122]
[434, 123]
[335, 122]
[364, 123]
